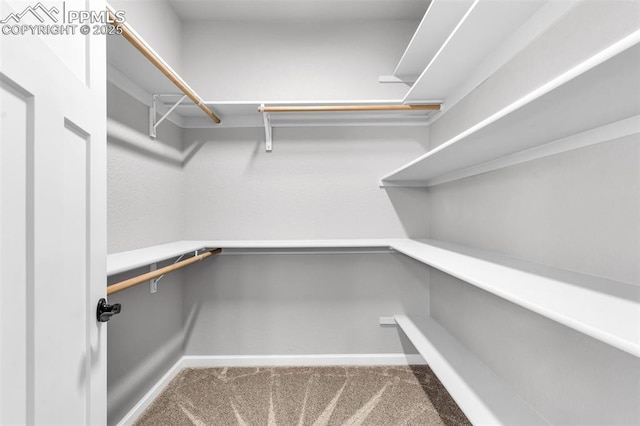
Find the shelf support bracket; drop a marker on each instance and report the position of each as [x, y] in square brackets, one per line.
[153, 283]
[153, 113]
[268, 143]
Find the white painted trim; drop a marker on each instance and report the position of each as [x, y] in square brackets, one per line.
[265, 360]
[313, 102]
[410, 79]
[402, 184]
[298, 251]
[301, 360]
[244, 121]
[153, 393]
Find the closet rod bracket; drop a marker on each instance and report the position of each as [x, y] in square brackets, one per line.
[154, 122]
[266, 117]
[153, 282]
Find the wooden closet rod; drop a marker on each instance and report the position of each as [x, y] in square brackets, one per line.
[339, 108]
[123, 285]
[159, 63]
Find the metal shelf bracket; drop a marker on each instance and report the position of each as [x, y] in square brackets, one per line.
[154, 122]
[153, 283]
[268, 143]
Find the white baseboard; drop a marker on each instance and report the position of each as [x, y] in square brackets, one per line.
[265, 360]
[300, 360]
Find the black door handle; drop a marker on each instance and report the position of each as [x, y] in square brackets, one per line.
[106, 311]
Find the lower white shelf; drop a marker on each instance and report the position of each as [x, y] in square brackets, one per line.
[481, 395]
[604, 309]
[128, 260]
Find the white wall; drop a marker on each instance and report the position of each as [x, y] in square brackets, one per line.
[577, 210]
[145, 197]
[144, 208]
[301, 303]
[318, 183]
[294, 60]
[144, 340]
[156, 22]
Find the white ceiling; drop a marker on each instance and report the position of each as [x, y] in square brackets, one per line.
[296, 10]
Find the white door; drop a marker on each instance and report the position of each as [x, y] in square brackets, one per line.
[52, 219]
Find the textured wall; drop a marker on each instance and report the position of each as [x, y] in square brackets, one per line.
[318, 183]
[577, 210]
[144, 208]
[144, 340]
[294, 60]
[156, 22]
[301, 303]
[145, 197]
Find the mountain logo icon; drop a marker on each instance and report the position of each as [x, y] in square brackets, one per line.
[39, 11]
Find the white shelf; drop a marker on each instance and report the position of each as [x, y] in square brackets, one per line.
[606, 310]
[128, 260]
[600, 91]
[603, 309]
[438, 22]
[133, 73]
[245, 114]
[479, 32]
[479, 393]
[298, 244]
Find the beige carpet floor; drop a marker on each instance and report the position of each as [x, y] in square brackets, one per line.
[300, 396]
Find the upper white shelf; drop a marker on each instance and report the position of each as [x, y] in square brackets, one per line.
[601, 90]
[481, 29]
[133, 73]
[441, 18]
[603, 309]
[245, 114]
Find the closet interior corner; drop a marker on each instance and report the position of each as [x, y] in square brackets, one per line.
[427, 182]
